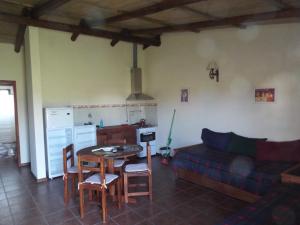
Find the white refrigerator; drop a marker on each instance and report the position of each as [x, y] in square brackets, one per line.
[84, 136]
[58, 134]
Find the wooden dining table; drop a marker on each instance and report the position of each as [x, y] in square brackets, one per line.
[122, 152]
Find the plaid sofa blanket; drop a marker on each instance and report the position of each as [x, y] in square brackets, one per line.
[239, 171]
[279, 207]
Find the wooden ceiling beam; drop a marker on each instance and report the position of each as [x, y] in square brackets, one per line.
[155, 8]
[280, 4]
[156, 21]
[114, 42]
[46, 7]
[207, 15]
[124, 32]
[160, 22]
[21, 32]
[143, 18]
[145, 46]
[199, 12]
[286, 13]
[82, 24]
[35, 12]
[21, 20]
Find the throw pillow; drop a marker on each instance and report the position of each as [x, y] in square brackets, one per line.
[287, 151]
[243, 145]
[216, 140]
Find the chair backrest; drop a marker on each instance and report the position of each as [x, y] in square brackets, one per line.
[149, 159]
[68, 156]
[91, 163]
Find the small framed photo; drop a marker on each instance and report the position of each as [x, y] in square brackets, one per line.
[265, 95]
[184, 95]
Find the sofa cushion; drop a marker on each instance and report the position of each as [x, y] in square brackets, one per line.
[216, 140]
[287, 151]
[243, 145]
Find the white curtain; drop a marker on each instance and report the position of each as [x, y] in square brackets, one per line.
[7, 117]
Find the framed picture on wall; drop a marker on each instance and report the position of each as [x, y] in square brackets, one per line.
[265, 95]
[184, 97]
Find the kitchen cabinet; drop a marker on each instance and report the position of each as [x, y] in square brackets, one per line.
[111, 133]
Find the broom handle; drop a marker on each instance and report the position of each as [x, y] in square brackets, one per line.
[170, 132]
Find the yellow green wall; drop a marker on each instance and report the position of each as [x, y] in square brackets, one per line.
[88, 71]
[12, 68]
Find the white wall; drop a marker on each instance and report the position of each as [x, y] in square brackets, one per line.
[257, 57]
[12, 67]
[34, 99]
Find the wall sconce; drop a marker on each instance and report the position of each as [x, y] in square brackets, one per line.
[213, 70]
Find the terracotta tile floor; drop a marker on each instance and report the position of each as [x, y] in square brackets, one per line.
[175, 202]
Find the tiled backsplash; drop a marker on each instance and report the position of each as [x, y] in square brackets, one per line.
[115, 114]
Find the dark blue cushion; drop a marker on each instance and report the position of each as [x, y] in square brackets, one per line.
[216, 140]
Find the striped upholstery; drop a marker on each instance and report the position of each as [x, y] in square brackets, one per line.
[96, 179]
[239, 171]
[74, 169]
[139, 167]
[119, 162]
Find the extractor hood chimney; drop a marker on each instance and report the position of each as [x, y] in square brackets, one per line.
[136, 80]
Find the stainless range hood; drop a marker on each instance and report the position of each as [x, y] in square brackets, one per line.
[136, 80]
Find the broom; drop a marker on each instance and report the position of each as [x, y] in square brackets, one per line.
[169, 140]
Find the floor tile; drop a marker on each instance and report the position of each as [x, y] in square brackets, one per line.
[4, 212]
[33, 221]
[6, 221]
[73, 221]
[11, 194]
[165, 219]
[175, 202]
[183, 212]
[88, 208]
[145, 222]
[114, 211]
[91, 218]
[59, 217]
[149, 210]
[129, 218]
[2, 196]
[3, 203]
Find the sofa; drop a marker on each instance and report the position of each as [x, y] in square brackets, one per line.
[241, 167]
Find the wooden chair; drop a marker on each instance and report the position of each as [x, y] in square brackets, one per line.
[118, 163]
[70, 171]
[98, 182]
[139, 170]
